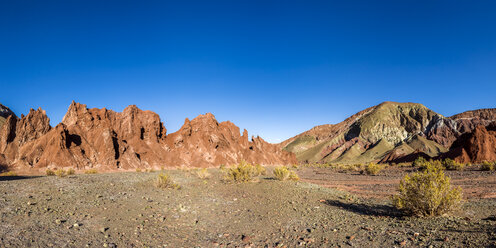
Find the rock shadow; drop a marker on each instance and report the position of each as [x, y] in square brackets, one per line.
[13, 178]
[378, 210]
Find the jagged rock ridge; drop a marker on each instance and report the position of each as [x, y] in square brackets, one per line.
[134, 138]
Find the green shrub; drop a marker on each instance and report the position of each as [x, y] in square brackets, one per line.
[373, 168]
[202, 173]
[60, 173]
[427, 193]
[164, 181]
[71, 171]
[242, 172]
[91, 171]
[488, 166]
[451, 164]
[282, 173]
[49, 172]
[435, 163]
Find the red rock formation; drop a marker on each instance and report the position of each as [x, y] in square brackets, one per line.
[476, 146]
[134, 138]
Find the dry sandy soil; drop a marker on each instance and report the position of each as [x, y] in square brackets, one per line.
[326, 208]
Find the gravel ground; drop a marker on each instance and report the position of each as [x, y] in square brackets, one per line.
[125, 210]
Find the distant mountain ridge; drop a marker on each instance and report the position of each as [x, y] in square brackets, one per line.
[388, 132]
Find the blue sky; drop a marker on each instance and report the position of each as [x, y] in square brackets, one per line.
[276, 68]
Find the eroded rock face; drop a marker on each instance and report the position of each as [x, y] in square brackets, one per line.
[134, 138]
[476, 146]
[5, 112]
[203, 141]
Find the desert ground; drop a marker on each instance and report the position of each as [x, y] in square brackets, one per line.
[326, 208]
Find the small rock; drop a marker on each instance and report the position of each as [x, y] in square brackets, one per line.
[351, 237]
[103, 229]
[402, 243]
[76, 225]
[58, 222]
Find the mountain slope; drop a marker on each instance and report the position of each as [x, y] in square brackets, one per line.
[365, 136]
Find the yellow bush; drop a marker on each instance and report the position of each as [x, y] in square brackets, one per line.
[427, 193]
[71, 171]
[451, 164]
[488, 166]
[60, 173]
[49, 172]
[138, 170]
[283, 173]
[91, 171]
[164, 181]
[419, 161]
[242, 172]
[373, 168]
[260, 170]
[202, 173]
[8, 174]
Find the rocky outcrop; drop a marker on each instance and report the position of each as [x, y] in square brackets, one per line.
[4, 113]
[133, 138]
[476, 146]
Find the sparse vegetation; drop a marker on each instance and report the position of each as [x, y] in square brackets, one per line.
[164, 181]
[260, 170]
[91, 171]
[71, 171]
[60, 172]
[202, 173]
[373, 168]
[242, 172]
[419, 161]
[282, 173]
[427, 193]
[488, 166]
[8, 174]
[49, 172]
[451, 164]
[138, 170]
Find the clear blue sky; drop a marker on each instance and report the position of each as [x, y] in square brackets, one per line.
[276, 68]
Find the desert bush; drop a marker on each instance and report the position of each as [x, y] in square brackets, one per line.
[91, 171]
[282, 173]
[427, 193]
[164, 181]
[60, 173]
[451, 164]
[260, 170]
[202, 173]
[373, 168]
[435, 163]
[49, 172]
[138, 170]
[488, 166]
[8, 174]
[419, 161]
[242, 172]
[71, 171]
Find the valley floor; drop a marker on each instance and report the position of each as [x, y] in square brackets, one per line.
[126, 210]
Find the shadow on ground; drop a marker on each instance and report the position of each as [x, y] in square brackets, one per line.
[378, 210]
[12, 178]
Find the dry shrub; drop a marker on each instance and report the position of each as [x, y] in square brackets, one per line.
[49, 172]
[419, 161]
[260, 170]
[71, 171]
[164, 181]
[427, 193]
[282, 173]
[138, 170]
[91, 171]
[373, 168]
[202, 173]
[242, 172]
[451, 164]
[60, 173]
[488, 166]
[8, 174]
